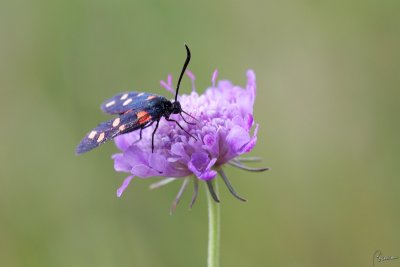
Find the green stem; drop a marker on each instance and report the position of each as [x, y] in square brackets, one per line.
[213, 228]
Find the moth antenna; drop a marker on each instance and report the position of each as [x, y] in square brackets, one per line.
[183, 71]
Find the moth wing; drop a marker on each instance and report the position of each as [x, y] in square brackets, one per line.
[107, 130]
[123, 102]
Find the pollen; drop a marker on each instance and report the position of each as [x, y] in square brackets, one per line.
[109, 104]
[124, 96]
[92, 134]
[151, 97]
[127, 102]
[116, 122]
[101, 137]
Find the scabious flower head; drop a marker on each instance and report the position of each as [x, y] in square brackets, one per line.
[225, 129]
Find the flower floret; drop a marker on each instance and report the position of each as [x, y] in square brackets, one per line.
[224, 115]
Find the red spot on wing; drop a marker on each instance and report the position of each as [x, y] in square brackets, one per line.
[143, 117]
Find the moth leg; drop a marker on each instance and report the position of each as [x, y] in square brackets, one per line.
[189, 116]
[191, 123]
[152, 136]
[144, 127]
[141, 129]
[180, 126]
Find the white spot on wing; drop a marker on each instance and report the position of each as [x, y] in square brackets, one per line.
[127, 102]
[124, 96]
[109, 104]
[92, 134]
[101, 137]
[116, 122]
[122, 127]
[140, 94]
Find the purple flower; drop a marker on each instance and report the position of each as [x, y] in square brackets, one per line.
[225, 129]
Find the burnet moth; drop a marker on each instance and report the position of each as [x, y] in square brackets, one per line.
[136, 110]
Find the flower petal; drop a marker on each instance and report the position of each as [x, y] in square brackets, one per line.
[237, 138]
[198, 163]
[211, 144]
[157, 162]
[178, 149]
[208, 175]
[168, 85]
[251, 83]
[201, 165]
[224, 119]
[250, 145]
[124, 185]
[214, 77]
[123, 142]
[121, 164]
[143, 171]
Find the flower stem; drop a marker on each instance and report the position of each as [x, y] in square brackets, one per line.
[213, 228]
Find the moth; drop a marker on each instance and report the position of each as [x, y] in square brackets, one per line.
[135, 111]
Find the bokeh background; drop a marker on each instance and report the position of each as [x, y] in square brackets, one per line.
[328, 104]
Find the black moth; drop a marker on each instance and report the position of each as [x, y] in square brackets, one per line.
[136, 111]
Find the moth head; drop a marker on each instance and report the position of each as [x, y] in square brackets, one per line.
[176, 107]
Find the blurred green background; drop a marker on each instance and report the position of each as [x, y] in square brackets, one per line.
[328, 102]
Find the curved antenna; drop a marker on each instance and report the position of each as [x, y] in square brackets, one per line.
[183, 71]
